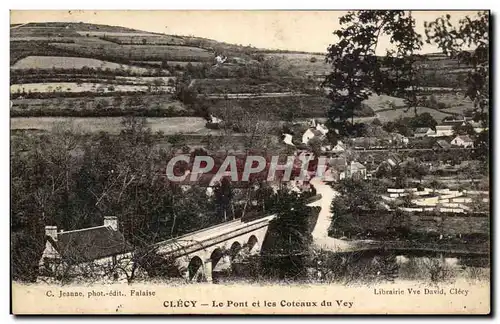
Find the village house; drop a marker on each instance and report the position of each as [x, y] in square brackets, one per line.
[478, 127]
[335, 169]
[423, 132]
[442, 144]
[365, 142]
[326, 148]
[331, 175]
[339, 147]
[322, 129]
[288, 139]
[394, 160]
[100, 251]
[398, 139]
[454, 120]
[355, 170]
[310, 134]
[213, 122]
[443, 130]
[462, 141]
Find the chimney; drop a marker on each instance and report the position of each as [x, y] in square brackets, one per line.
[51, 231]
[111, 221]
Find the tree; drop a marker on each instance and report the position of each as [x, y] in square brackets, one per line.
[466, 129]
[315, 145]
[469, 44]
[423, 120]
[481, 149]
[223, 194]
[358, 72]
[355, 196]
[400, 125]
[72, 181]
[415, 170]
[289, 236]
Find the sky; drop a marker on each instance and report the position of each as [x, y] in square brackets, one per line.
[309, 31]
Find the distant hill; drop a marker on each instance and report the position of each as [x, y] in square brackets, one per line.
[124, 51]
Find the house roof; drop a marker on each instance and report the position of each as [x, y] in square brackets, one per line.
[90, 244]
[443, 144]
[357, 165]
[397, 136]
[444, 127]
[339, 145]
[394, 157]
[364, 140]
[476, 124]
[315, 132]
[464, 138]
[421, 130]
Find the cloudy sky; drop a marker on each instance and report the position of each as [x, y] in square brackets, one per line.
[293, 30]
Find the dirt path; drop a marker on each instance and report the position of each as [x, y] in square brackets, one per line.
[320, 233]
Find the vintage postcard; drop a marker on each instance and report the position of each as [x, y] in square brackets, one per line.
[250, 162]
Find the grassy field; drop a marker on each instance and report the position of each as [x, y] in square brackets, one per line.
[388, 115]
[128, 39]
[146, 104]
[62, 87]
[139, 52]
[456, 102]
[29, 31]
[169, 126]
[112, 33]
[239, 85]
[61, 62]
[383, 102]
[107, 46]
[280, 107]
[301, 64]
[390, 108]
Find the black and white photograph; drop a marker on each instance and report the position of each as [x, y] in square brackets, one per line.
[250, 162]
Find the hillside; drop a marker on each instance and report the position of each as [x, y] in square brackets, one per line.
[88, 70]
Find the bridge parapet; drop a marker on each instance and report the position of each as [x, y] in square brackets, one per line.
[204, 239]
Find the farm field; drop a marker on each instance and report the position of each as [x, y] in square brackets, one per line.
[139, 52]
[183, 63]
[148, 104]
[46, 31]
[132, 39]
[62, 39]
[62, 87]
[255, 95]
[111, 33]
[455, 102]
[301, 64]
[393, 114]
[169, 126]
[62, 62]
[250, 85]
[281, 107]
[382, 102]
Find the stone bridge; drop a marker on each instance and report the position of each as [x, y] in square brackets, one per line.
[200, 253]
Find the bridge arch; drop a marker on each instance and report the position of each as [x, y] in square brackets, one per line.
[195, 269]
[215, 257]
[234, 250]
[252, 243]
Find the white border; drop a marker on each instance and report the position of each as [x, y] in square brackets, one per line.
[191, 4]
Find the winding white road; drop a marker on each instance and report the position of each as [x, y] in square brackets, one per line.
[321, 239]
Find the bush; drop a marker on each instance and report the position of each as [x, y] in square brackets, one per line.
[313, 60]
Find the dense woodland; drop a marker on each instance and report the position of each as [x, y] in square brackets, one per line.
[73, 180]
